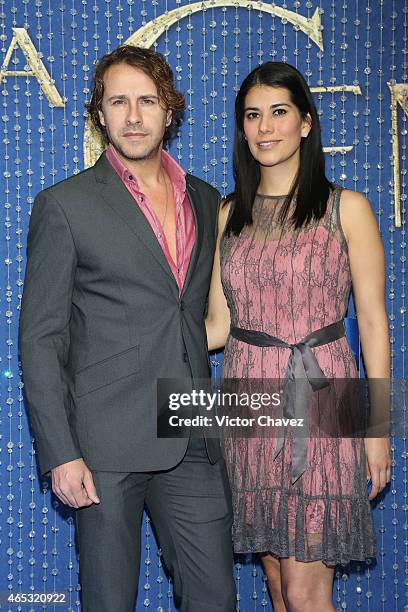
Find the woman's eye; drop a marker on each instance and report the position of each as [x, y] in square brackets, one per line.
[279, 111]
[252, 116]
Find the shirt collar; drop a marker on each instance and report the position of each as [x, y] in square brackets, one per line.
[174, 170]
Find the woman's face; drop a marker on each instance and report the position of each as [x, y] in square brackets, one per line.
[273, 126]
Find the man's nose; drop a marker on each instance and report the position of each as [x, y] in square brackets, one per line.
[134, 115]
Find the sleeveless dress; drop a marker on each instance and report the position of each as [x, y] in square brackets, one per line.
[289, 283]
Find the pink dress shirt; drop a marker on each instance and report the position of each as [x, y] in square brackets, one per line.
[185, 226]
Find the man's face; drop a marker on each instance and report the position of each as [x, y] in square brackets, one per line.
[132, 113]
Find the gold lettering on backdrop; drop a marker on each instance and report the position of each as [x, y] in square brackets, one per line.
[355, 89]
[149, 33]
[399, 96]
[332, 89]
[38, 70]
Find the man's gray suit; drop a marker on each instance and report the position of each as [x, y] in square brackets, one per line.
[102, 319]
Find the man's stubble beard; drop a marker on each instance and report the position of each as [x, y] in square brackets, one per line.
[148, 155]
[134, 157]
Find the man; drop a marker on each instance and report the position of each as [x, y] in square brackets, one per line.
[119, 262]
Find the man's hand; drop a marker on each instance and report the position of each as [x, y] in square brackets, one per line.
[72, 482]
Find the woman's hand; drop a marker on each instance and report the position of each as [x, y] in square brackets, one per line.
[378, 464]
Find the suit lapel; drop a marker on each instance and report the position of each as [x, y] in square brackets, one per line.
[194, 198]
[115, 194]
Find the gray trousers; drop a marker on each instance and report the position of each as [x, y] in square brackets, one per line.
[190, 507]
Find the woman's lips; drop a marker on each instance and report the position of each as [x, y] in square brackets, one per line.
[266, 144]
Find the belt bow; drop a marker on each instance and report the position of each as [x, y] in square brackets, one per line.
[302, 366]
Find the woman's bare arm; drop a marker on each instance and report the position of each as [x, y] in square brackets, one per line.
[217, 321]
[366, 256]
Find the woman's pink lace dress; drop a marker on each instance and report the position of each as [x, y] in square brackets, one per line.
[288, 283]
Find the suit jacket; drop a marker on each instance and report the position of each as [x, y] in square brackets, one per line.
[102, 319]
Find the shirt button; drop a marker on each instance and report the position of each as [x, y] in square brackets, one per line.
[181, 305]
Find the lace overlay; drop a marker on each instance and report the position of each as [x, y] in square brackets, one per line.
[288, 283]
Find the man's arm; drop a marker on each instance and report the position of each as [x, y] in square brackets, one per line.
[44, 330]
[44, 346]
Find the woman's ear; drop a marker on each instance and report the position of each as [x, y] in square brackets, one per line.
[306, 126]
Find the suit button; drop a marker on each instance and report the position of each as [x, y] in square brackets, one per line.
[185, 357]
[181, 305]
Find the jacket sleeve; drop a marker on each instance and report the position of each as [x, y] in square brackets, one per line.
[44, 330]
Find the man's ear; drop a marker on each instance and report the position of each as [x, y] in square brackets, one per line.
[101, 118]
[169, 117]
[307, 126]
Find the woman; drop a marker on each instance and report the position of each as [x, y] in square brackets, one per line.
[290, 244]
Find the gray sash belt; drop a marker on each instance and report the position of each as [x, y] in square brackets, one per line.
[302, 365]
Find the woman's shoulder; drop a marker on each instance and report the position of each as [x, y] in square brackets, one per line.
[348, 197]
[353, 203]
[355, 211]
[350, 202]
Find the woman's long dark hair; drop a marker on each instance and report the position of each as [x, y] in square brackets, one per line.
[311, 186]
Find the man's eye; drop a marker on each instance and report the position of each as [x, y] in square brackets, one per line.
[147, 101]
[117, 102]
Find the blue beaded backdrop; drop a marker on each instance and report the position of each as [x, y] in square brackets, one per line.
[354, 55]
